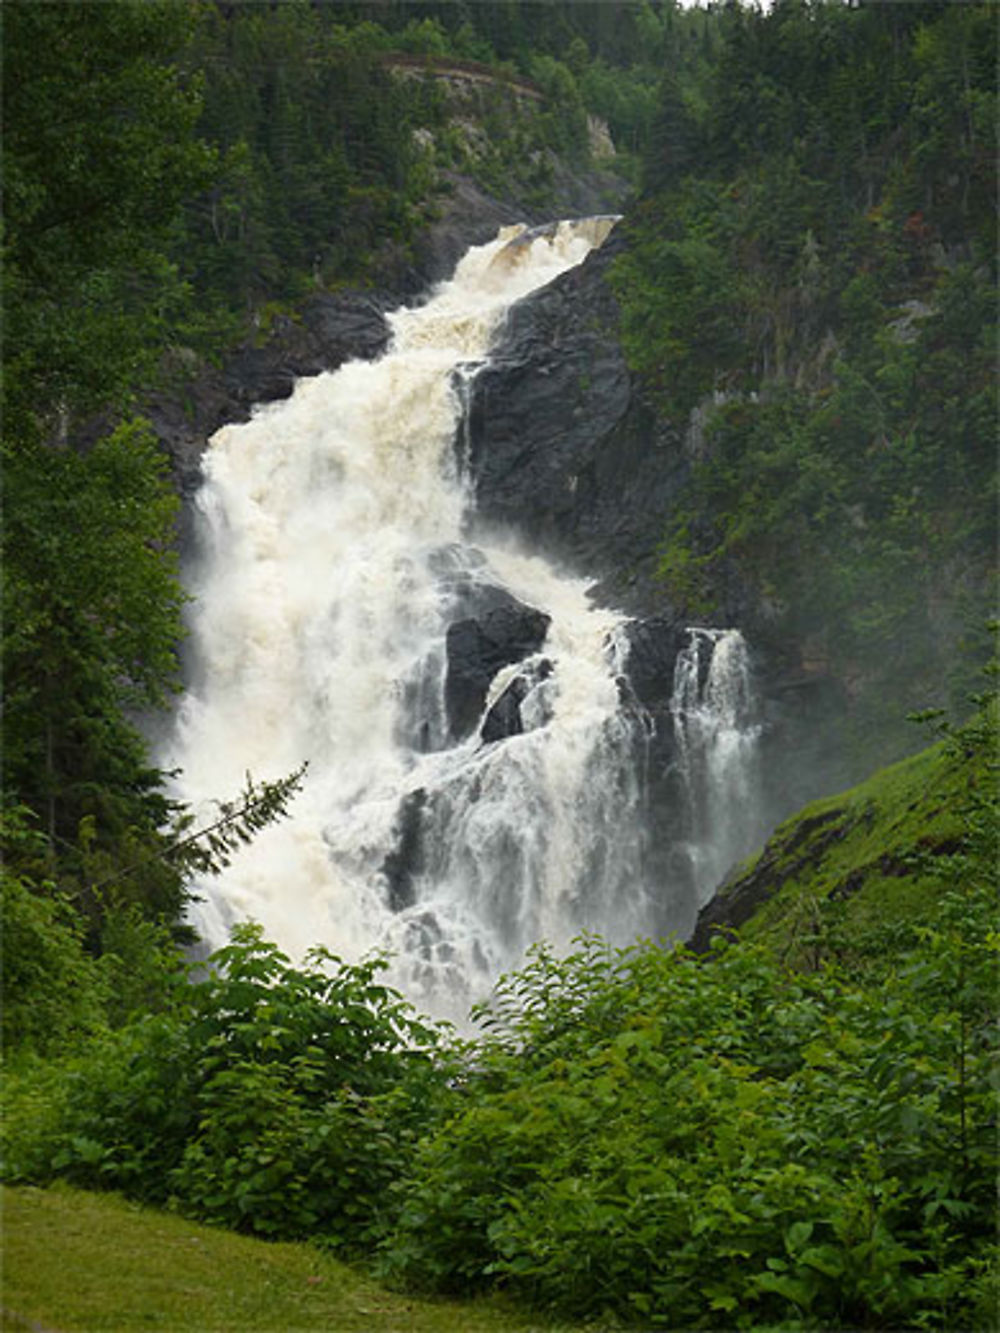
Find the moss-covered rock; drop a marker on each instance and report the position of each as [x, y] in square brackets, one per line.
[849, 873]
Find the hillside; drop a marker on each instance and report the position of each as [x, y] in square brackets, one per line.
[83, 1263]
[808, 296]
[854, 878]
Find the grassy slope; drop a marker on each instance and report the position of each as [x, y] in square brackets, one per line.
[849, 866]
[93, 1263]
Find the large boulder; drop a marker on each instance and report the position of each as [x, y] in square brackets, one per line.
[503, 631]
[505, 717]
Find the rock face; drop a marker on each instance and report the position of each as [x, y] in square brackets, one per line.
[468, 216]
[405, 862]
[561, 446]
[333, 328]
[505, 717]
[564, 450]
[744, 892]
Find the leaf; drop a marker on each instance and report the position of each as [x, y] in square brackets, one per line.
[825, 1259]
[725, 1302]
[797, 1235]
[793, 1289]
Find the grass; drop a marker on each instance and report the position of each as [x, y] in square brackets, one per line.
[81, 1262]
[858, 853]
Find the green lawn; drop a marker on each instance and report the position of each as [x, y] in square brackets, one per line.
[93, 1263]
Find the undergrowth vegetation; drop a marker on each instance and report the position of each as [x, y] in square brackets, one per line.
[647, 1134]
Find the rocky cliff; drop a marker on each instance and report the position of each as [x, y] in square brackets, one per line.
[563, 449]
[566, 451]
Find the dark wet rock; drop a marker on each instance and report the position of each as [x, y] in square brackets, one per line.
[424, 936]
[346, 326]
[565, 450]
[405, 862]
[505, 718]
[747, 890]
[653, 645]
[478, 646]
[562, 446]
[468, 216]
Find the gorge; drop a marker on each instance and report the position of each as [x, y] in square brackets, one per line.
[415, 607]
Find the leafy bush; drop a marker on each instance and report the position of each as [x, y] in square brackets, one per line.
[272, 1099]
[672, 1140]
[720, 1143]
[51, 992]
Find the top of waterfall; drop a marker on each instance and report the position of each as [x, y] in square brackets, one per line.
[518, 238]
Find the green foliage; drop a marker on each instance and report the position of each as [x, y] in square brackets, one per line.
[269, 1098]
[98, 154]
[853, 878]
[51, 992]
[717, 1144]
[80, 953]
[315, 139]
[728, 1142]
[91, 625]
[723, 1141]
[806, 273]
[671, 1141]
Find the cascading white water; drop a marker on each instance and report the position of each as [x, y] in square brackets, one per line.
[716, 730]
[333, 544]
[336, 564]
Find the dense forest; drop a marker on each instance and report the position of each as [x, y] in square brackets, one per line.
[813, 266]
[796, 1130]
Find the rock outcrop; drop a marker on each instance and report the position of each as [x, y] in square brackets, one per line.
[504, 631]
[505, 717]
[566, 451]
[332, 328]
[562, 447]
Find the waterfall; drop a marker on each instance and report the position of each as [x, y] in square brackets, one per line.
[475, 776]
[716, 731]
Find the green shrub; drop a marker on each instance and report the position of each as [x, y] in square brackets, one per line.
[272, 1099]
[721, 1143]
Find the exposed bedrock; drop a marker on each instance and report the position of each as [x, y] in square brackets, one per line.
[504, 631]
[507, 717]
[564, 449]
[333, 327]
[329, 330]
